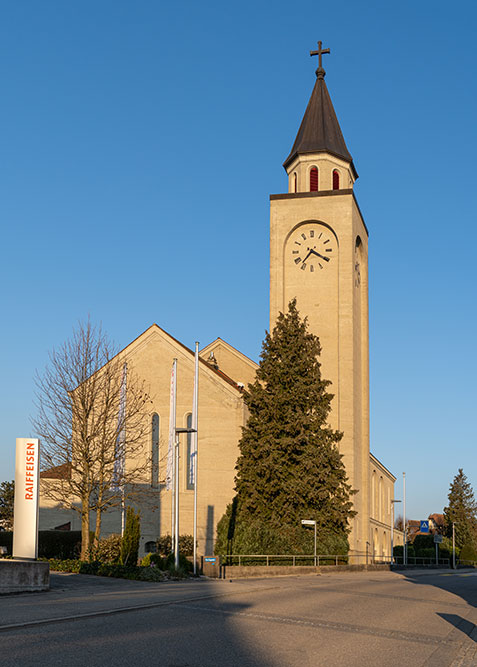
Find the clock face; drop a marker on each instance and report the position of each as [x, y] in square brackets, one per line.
[312, 248]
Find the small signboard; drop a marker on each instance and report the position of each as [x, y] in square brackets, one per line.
[424, 527]
[210, 559]
[437, 539]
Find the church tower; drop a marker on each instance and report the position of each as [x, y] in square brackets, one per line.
[319, 254]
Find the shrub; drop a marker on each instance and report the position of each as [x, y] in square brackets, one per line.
[153, 560]
[130, 541]
[185, 566]
[186, 545]
[108, 550]
[260, 537]
[468, 552]
[111, 570]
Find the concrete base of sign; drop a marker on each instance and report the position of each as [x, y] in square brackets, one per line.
[24, 576]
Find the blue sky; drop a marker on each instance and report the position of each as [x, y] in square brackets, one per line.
[139, 145]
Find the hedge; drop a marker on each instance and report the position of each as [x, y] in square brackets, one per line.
[111, 570]
[62, 544]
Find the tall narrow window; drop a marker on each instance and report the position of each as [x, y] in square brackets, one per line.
[155, 450]
[313, 179]
[294, 182]
[336, 179]
[190, 458]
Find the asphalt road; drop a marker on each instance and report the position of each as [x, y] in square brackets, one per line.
[375, 618]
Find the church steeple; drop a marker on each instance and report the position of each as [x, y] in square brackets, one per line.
[319, 144]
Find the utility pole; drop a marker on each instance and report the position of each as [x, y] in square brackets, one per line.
[392, 530]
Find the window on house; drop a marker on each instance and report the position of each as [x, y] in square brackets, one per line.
[150, 547]
[313, 179]
[295, 180]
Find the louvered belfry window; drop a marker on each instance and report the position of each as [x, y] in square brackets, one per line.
[314, 179]
[336, 180]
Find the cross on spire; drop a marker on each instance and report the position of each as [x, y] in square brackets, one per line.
[319, 53]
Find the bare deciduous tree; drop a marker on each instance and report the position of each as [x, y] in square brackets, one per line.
[92, 421]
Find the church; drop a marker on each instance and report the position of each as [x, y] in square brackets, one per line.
[318, 255]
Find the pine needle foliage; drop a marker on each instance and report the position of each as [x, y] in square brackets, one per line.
[462, 510]
[289, 467]
[131, 537]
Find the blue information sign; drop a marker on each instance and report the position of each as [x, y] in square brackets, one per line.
[424, 527]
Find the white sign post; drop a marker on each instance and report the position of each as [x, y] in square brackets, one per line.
[25, 516]
[310, 522]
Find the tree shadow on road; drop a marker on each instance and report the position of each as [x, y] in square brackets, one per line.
[459, 583]
[181, 624]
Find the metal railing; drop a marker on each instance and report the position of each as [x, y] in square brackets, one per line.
[295, 560]
[422, 561]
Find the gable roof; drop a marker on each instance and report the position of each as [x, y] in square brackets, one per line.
[319, 130]
[159, 329]
[231, 348]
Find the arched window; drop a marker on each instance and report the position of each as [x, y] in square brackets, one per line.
[295, 180]
[313, 179]
[150, 547]
[336, 179]
[190, 458]
[155, 450]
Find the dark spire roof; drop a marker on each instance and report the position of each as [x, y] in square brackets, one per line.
[319, 130]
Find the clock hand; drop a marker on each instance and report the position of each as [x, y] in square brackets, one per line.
[327, 259]
[309, 253]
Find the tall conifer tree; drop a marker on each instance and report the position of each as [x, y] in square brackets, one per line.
[289, 466]
[462, 510]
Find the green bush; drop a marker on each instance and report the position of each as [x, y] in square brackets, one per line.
[112, 570]
[258, 537]
[186, 545]
[422, 542]
[131, 537]
[108, 550]
[468, 552]
[153, 560]
[185, 566]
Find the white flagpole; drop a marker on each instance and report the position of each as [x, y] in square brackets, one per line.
[170, 474]
[194, 443]
[119, 463]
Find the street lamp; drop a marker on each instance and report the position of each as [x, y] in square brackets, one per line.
[178, 431]
[453, 545]
[310, 522]
[392, 529]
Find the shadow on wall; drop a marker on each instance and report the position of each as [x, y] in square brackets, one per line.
[209, 532]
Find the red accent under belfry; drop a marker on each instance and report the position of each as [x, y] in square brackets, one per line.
[336, 180]
[314, 179]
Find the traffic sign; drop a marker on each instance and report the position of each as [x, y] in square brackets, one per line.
[424, 527]
[437, 539]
